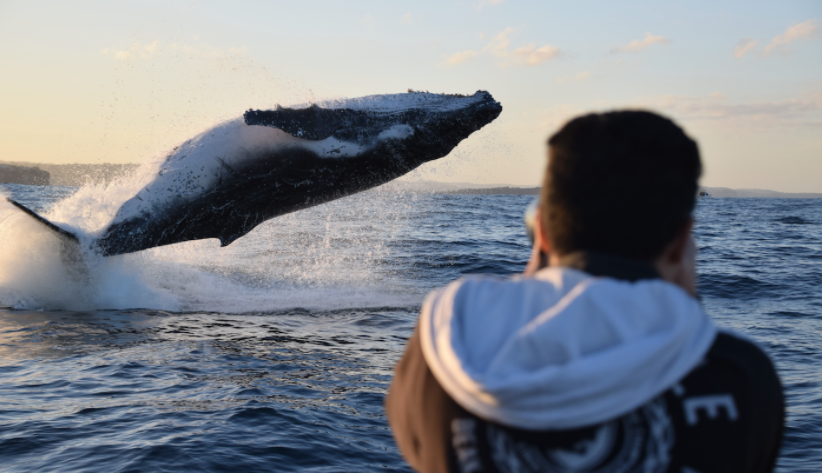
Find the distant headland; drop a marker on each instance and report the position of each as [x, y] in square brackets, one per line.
[33, 176]
[73, 175]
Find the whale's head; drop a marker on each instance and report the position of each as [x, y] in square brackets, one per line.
[430, 124]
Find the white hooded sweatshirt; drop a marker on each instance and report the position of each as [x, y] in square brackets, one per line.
[563, 349]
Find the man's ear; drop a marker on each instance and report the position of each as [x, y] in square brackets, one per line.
[541, 236]
[676, 249]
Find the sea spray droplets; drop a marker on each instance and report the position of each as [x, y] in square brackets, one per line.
[33, 273]
[333, 256]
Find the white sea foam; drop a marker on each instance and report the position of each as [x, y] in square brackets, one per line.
[34, 273]
[324, 258]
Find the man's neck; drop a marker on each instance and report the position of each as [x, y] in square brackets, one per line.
[597, 263]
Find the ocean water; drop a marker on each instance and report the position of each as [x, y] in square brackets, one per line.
[275, 353]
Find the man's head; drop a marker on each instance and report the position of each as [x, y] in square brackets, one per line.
[624, 183]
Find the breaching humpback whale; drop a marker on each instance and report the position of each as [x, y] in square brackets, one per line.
[230, 178]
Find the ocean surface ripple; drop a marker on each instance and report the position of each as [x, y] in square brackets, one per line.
[275, 353]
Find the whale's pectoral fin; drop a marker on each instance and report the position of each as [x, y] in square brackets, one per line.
[70, 251]
[63, 234]
[71, 244]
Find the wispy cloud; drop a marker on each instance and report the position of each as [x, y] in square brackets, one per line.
[368, 20]
[460, 57]
[499, 44]
[139, 50]
[760, 116]
[801, 31]
[410, 18]
[500, 47]
[204, 50]
[578, 77]
[555, 117]
[531, 55]
[640, 44]
[487, 3]
[743, 47]
[802, 110]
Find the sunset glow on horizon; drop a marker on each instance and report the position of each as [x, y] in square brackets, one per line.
[98, 82]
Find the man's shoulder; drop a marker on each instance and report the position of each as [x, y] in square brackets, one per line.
[740, 367]
[732, 403]
[742, 362]
[733, 348]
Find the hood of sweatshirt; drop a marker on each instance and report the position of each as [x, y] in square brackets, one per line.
[563, 349]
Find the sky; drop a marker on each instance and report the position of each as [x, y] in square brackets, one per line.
[126, 81]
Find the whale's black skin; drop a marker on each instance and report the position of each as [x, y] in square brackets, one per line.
[296, 177]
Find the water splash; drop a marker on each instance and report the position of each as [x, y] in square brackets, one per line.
[34, 273]
[329, 257]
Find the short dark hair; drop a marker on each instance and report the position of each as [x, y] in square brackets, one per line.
[622, 182]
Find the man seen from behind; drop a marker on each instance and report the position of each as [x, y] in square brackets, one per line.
[603, 361]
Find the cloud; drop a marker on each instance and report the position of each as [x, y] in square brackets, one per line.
[409, 18]
[714, 109]
[743, 47]
[368, 20]
[460, 58]
[640, 44]
[578, 77]
[145, 51]
[801, 31]
[499, 44]
[500, 47]
[205, 50]
[803, 110]
[556, 116]
[487, 3]
[532, 56]
[526, 56]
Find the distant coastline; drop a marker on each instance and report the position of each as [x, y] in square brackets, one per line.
[725, 192]
[32, 176]
[506, 190]
[76, 175]
[715, 192]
